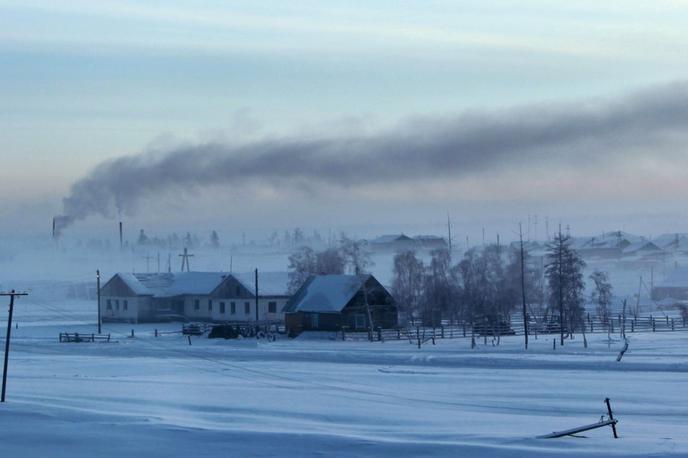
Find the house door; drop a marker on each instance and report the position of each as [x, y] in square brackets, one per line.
[315, 321]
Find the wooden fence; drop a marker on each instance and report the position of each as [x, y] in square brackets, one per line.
[457, 330]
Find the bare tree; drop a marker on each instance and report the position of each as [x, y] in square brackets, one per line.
[356, 255]
[407, 283]
[601, 294]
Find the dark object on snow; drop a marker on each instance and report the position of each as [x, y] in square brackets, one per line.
[76, 337]
[610, 421]
[621, 353]
[193, 329]
[224, 331]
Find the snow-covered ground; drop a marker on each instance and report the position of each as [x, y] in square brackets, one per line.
[151, 397]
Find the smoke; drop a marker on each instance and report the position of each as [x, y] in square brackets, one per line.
[595, 132]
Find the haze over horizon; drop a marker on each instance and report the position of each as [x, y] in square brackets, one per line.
[362, 116]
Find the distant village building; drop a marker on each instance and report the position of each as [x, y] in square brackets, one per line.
[674, 286]
[672, 243]
[194, 296]
[392, 242]
[402, 242]
[608, 245]
[430, 242]
[333, 302]
[644, 249]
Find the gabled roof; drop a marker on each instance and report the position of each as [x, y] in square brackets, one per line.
[326, 293]
[643, 245]
[391, 238]
[201, 283]
[269, 283]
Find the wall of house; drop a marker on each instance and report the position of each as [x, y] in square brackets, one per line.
[204, 312]
[119, 308]
[240, 308]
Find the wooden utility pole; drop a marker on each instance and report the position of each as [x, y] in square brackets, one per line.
[98, 288]
[12, 295]
[523, 286]
[449, 234]
[561, 288]
[256, 285]
[185, 259]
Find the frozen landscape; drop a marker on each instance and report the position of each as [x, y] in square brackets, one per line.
[148, 396]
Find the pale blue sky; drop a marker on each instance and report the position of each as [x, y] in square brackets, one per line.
[81, 81]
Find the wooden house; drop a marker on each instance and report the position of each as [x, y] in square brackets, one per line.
[333, 302]
[194, 296]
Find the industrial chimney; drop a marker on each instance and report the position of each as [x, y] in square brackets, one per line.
[121, 238]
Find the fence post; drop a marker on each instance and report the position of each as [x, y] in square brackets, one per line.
[132, 333]
[672, 324]
[398, 334]
[667, 320]
[611, 323]
[156, 333]
[632, 325]
[93, 337]
[554, 344]
[379, 334]
[653, 323]
[442, 331]
[591, 327]
[189, 339]
[418, 335]
[464, 329]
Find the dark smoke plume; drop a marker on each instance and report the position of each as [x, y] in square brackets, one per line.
[593, 133]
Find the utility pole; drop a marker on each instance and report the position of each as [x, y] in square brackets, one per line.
[523, 285]
[169, 262]
[449, 232]
[185, 259]
[7, 339]
[256, 285]
[98, 288]
[561, 288]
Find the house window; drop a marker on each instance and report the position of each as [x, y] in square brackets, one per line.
[109, 304]
[222, 307]
[359, 321]
[247, 308]
[117, 304]
[197, 304]
[125, 306]
[272, 307]
[232, 308]
[210, 305]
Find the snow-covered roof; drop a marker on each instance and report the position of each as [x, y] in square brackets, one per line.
[643, 245]
[325, 293]
[201, 283]
[269, 283]
[391, 238]
[671, 241]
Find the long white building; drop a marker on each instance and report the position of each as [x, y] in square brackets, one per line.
[194, 296]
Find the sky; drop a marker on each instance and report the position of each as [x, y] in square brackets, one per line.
[367, 116]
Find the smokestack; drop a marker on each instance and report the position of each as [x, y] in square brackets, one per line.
[121, 239]
[54, 228]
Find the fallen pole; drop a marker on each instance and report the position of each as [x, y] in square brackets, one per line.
[610, 421]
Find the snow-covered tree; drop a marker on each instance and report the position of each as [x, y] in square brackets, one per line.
[601, 294]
